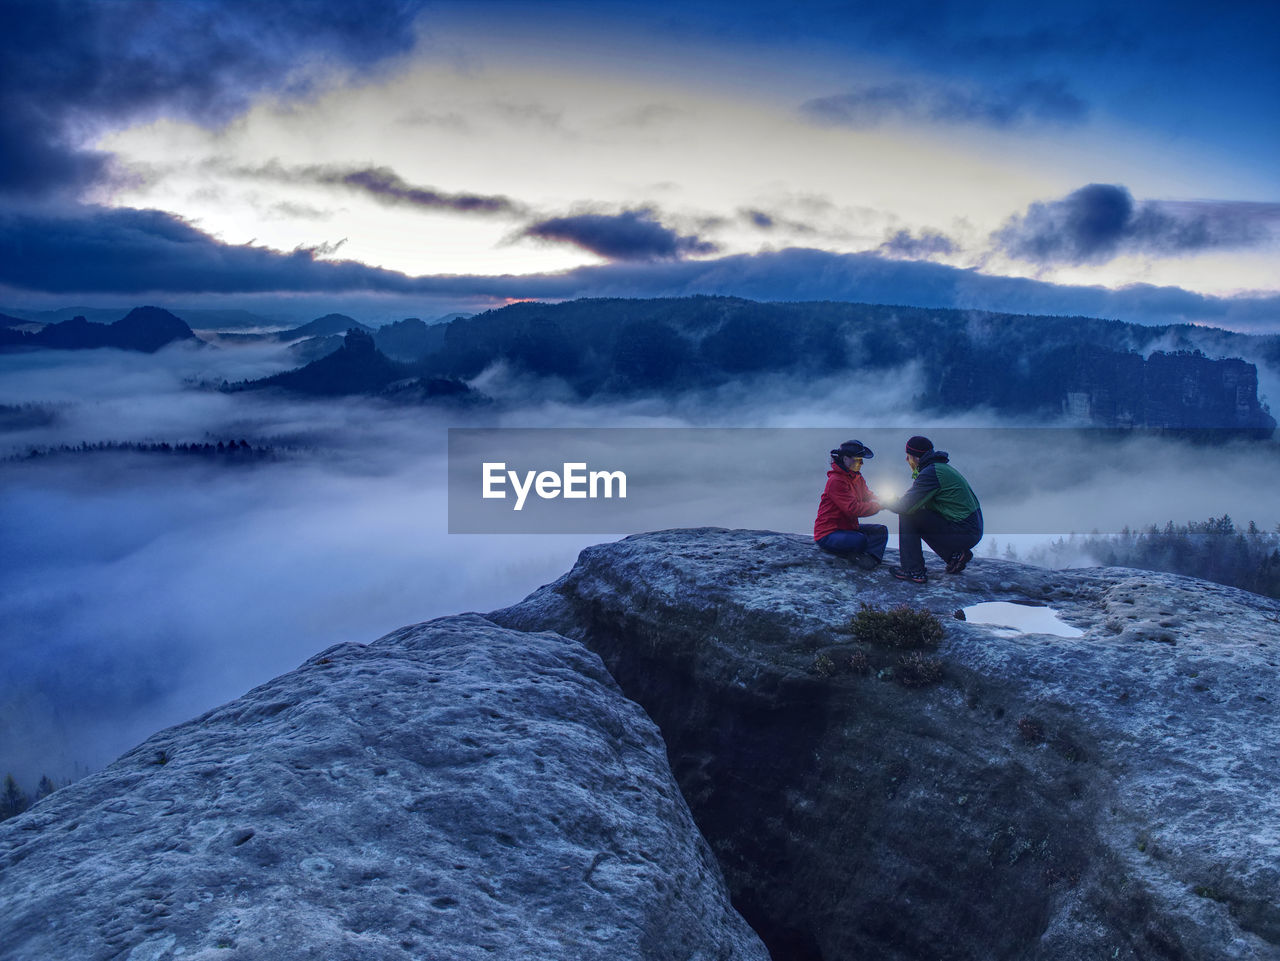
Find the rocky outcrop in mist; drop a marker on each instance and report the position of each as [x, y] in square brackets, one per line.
[480, 786]
[320, 330]
[359, 367]
[454, 790]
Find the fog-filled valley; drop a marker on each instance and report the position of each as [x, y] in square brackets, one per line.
[142, 589]
[147, 582]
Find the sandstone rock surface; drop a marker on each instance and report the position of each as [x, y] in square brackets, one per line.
[454, 791]
[1113, 796]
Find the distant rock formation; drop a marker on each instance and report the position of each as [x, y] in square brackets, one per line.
[358, 367]
[313, 348]
[1186, 389]
[405, 341]
[149, 328]
[1183, 390]
[327, 330]
[1049, 799]
[199, 318]
[454, 790]
[324, 326]
[144, 329]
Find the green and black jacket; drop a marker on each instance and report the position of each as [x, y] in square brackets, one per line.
[939, 487]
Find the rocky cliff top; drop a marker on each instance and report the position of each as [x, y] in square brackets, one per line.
[453, 790]
[1047, 797]
[480, 785]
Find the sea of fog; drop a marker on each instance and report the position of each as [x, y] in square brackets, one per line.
[141, 589]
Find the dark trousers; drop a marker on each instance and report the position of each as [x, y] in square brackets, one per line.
[867, 539]
[946, 538]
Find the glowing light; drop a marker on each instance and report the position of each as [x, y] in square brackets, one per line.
[886, 492]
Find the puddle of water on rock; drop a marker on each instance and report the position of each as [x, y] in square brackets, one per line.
[1020, 619]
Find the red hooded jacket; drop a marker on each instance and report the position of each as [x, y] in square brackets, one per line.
[845, 499]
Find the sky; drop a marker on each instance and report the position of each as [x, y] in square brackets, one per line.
[414, 158]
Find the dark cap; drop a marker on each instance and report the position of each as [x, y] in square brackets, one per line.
[853, 448]
[918, 446]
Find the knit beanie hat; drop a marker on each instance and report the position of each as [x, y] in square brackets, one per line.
[918, 446]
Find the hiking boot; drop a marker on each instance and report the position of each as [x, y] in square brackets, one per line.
[915, 577]
[958, 562]
[868, 562]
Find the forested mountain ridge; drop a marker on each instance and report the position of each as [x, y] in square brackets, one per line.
[1090, 369]
[1081, 370]
[144, 329]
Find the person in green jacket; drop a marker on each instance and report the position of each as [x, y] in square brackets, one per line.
[940, 509]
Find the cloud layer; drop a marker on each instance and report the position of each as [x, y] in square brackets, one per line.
[922, 245]
[381, 184]
[1032, 101]
[1099, 222]
[122, 251]
[630, 235]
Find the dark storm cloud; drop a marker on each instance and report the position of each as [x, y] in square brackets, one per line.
[925, 244]
[381, 184]
[125, 250]
[1099, 222]
[770, 220]
[388, 187]
[73, 67]
[630, 235]
[1033, 101]
[1234, 221]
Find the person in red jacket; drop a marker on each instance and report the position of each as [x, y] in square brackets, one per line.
[845, 499]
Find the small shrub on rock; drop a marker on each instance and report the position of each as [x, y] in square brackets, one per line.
[859, 663]
[916, 670]
[823, 665]
[902, 627]
[1031, 730]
